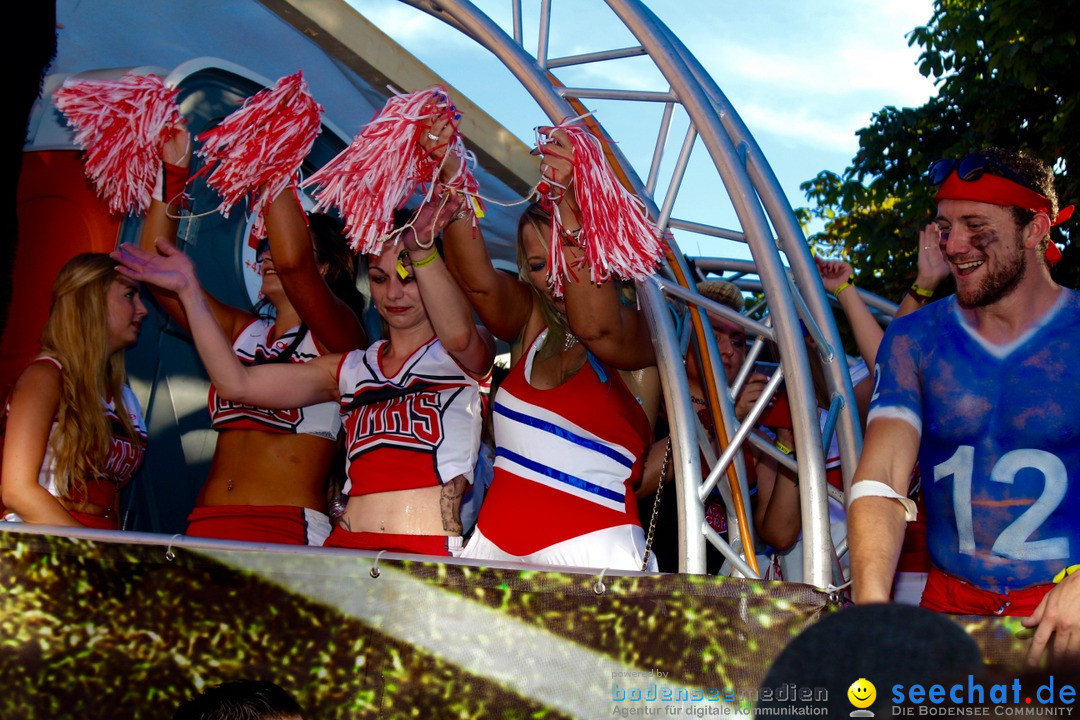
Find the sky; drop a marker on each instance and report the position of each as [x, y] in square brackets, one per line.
[804, 76]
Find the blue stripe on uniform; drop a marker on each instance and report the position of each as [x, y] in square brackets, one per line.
[565, 434]
[560, 476]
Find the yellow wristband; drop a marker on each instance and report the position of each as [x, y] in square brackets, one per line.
[843, 286]
[922, 291]
[1066, 573]
[426, 261]
[783, 448]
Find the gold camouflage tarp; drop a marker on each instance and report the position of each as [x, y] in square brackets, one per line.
[93, 627]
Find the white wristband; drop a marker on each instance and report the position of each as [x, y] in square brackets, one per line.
[159, 186]
[873, 488]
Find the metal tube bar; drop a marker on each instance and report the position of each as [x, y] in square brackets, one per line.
[685, 456]
[747, 367]
[719, 265]
[729, 553]
[658, 151]
[710, 230]
[677, 176]
[585, 58]
[835, 407]
[825, 349]
[715, 308]
[606, 94]
[545, 30]
[842, 548]
[745, 429]
[516, 10]
[758, 305]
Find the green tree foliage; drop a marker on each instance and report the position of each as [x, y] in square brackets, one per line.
[1007, 76]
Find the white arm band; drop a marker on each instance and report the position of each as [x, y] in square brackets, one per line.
[873, 488]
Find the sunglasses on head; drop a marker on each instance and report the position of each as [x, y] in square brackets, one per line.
[970, 168]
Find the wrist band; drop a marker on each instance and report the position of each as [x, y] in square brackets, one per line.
[173, 182]
[921, 290]
[918, 297]
[463, 214]
[1066, 573]
[874, 488]
[426, 261]
[843, 286]
[790, 453]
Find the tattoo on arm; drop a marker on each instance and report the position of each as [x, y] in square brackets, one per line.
[450, 504]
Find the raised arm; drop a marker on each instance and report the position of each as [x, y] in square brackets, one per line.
[273, 385]
[609, 325]
[35, 402]
[867, 331]
[933, 269]
[503, 302]
[445, 303]
[332, 322]
[161, 221]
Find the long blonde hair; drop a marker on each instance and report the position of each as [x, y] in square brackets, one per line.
[76, 335]
[558, 326]
[539, 220]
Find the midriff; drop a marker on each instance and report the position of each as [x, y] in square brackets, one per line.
[403, 512]
[269, 469]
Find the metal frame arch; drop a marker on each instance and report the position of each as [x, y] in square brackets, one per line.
[794, 245]
[753, 190]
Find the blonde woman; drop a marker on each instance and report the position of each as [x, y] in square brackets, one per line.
[75, 434]
[571, 437]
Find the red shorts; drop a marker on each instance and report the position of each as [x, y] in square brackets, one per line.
[438, 545]
[100, 522]
[949, 594]
[284, 524]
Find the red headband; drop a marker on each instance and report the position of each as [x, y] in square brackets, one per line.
[996, 190]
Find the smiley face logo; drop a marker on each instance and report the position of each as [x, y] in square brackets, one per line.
[862, 693]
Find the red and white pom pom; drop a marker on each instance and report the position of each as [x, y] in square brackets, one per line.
[261, 146]
[121, 124]
[616, 233]
[384, 165]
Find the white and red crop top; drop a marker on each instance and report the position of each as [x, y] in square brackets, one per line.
[416, 429]
[123, 461]
[254, 347]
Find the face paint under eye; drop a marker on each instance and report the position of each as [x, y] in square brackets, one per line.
[983, 238]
